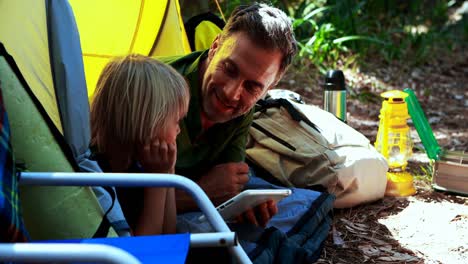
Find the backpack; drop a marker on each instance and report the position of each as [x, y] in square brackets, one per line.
[299, 145]
[202, 29]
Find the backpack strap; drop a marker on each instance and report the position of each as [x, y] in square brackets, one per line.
[104, 226]
[273, 136]
[296, 115]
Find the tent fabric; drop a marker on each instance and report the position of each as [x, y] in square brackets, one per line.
[115, 28]
[32, 60]
[172, 39]
[37, 144]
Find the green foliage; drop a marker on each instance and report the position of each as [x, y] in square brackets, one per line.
[328, 30]
[366, 97]
[426, 172]
[390, 29]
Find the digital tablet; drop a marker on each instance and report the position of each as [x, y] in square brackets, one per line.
[247, 199]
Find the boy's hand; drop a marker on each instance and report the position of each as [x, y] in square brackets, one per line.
[158, 156]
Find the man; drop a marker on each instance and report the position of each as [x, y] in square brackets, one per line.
[247, 59]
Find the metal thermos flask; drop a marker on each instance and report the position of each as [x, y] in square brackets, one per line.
[334, 94]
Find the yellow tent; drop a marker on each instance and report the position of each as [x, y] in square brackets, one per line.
[107, 28]
[111, 28]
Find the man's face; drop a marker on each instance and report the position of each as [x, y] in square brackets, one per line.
[238, 73]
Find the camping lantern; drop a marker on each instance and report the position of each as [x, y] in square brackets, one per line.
[394, 142]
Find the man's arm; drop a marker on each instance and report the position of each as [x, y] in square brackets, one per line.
[220, 184]
[226, 179]
[220, 189]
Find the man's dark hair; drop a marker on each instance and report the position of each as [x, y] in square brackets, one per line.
[266, 26]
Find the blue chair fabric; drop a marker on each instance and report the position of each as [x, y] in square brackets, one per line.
[147, 249]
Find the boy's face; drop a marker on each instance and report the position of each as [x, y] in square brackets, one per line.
[237, 75]
[169, 134]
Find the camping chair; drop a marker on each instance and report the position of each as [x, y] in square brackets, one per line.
[85, 252]
[43, 138]
[12, 227]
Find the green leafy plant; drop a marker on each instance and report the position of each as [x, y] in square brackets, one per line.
[391, 29]
[427, 171]
[330, 30]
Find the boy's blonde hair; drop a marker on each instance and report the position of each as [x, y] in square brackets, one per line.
[134, 96]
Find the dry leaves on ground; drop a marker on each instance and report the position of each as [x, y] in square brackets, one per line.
[415, 229]
[384, 231]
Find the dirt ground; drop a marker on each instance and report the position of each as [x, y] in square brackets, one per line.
[430, 226]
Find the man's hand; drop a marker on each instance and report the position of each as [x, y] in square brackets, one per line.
[260, 215]
[221, 183]
[158, 156]
[224, 181]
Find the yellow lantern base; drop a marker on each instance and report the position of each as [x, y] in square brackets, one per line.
[399, 184]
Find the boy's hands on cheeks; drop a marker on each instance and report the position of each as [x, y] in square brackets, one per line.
[158, 156]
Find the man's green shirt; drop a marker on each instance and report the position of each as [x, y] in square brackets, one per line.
[198, 150]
